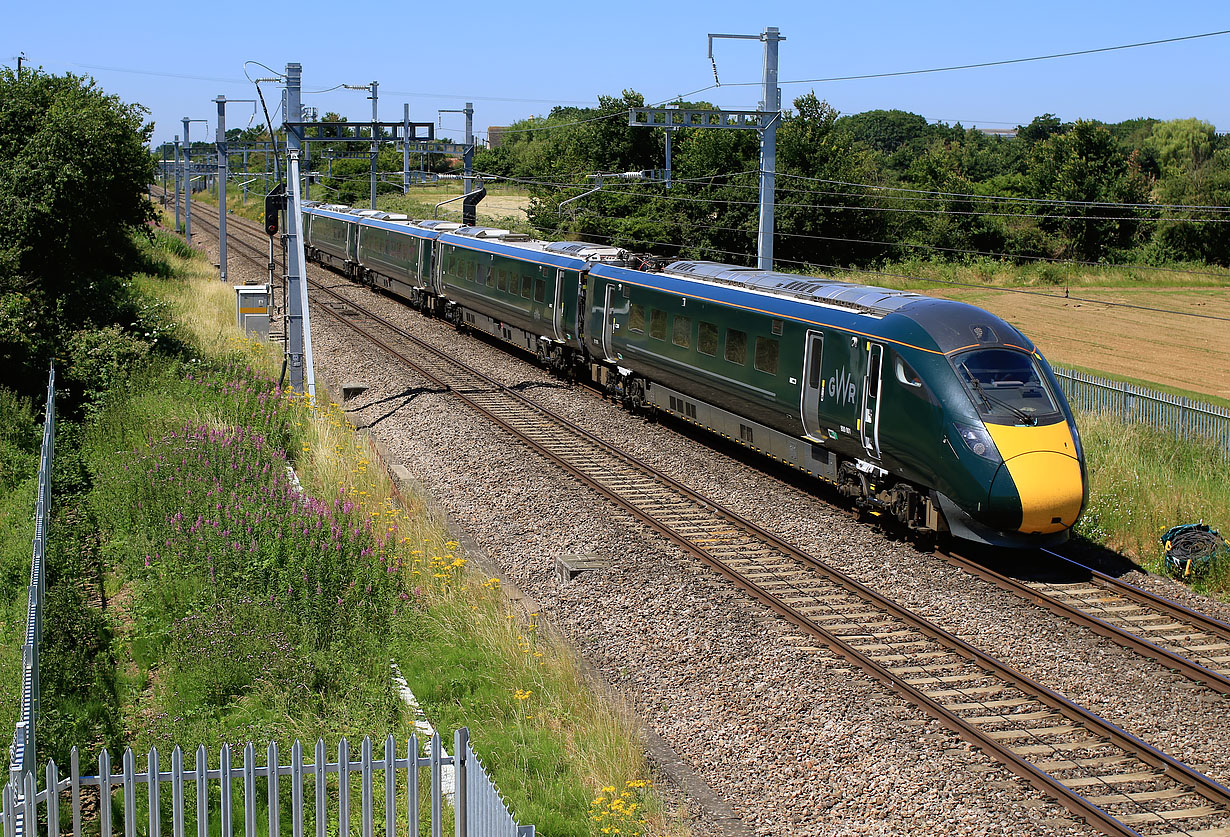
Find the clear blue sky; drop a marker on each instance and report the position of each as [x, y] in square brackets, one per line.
[514, 59]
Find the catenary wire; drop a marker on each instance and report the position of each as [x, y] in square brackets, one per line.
[982, 64]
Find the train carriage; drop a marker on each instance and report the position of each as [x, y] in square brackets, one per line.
[881, 392]
[396, 255]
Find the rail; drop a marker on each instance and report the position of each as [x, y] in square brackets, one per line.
[22, 753]
[1179, 415]
[390, 792]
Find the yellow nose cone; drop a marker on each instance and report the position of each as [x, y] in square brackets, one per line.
[1042, 463]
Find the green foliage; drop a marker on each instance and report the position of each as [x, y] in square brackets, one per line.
[73, 172]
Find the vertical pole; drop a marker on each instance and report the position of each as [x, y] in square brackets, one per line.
[405, 149]
[307, 167]
[771, 105]
[187, 184]
[299, 329]
[177, 183]
[222, 168]
[164, 174]
[669, 131]
[245, 175]
[375, 138]
[469, 157]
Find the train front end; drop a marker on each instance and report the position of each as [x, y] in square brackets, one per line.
[1018, 434]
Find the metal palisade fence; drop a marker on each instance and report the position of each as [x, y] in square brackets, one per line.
[22, 752]
[270, 798]
[1174, 414]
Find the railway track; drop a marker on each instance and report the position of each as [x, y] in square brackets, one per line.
[1176, 637]
[1114, 780]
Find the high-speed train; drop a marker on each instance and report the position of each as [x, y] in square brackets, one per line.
[935, 413]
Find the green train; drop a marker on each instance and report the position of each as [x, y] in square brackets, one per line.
[934, 413]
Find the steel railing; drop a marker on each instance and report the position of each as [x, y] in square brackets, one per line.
[392, 776]
[22, 753]
[1178, 415]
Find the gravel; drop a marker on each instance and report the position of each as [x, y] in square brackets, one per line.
[794, 739]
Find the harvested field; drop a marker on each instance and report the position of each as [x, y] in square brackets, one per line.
[1191, 353]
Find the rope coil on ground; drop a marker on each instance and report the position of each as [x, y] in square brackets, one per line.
[1192, 548]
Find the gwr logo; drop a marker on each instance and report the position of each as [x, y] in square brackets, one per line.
[842, 387]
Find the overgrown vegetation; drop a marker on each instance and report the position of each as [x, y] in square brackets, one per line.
[1142, 482]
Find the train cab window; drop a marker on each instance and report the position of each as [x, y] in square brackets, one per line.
[636, 317]
[657, 324]
[706, 342]
[1007, 386]
[681, 332]
[736, 346]
[766, 355]
[540, 290]
[527, 282]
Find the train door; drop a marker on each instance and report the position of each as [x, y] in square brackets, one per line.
[813, 385]
[869, 423]
[608, 319]
[557, 306]
[841, 372]
[419, 246]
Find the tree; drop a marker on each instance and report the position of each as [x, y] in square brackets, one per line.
[1085, 166]
[73, 175]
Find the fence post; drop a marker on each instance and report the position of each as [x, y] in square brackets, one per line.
[177, 793]
[74, 784]
[412, 800]
[104, 792]
[296, 785]
[365, 786]
[224, 790]
[1124, 411]
[202, 792]
[1183, 417]
[318, 771]
[53, 799]
[343, 788]
[271, 774]
[390, 786]
[130, 793]
[155, 812]
[437, 786]
[461, 747]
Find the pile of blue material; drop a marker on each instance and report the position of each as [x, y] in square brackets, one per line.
[1192, 548]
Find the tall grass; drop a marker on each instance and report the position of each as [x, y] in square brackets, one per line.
[1142, 482]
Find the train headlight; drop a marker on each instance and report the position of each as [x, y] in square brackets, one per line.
[978, 440]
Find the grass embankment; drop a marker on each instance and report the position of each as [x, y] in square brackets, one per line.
[235, 608]
[1143, 482]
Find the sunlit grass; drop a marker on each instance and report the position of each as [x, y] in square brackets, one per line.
[1143, 482]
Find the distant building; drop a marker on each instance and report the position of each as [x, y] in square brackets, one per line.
[495, 135]
[1007, 133]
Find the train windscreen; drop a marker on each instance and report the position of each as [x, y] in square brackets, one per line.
[1007, 386]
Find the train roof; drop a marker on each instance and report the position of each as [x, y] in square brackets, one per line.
[847, 294]
[924, 322]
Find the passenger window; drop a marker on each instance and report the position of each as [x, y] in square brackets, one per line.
[490, 277]
[501, 280]
[706, 343]
[906, 374]
[527, 282]
[636, 318]
[736, 346]
[681, 333]
[540, 290]
[657, 324]
[766, 355]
